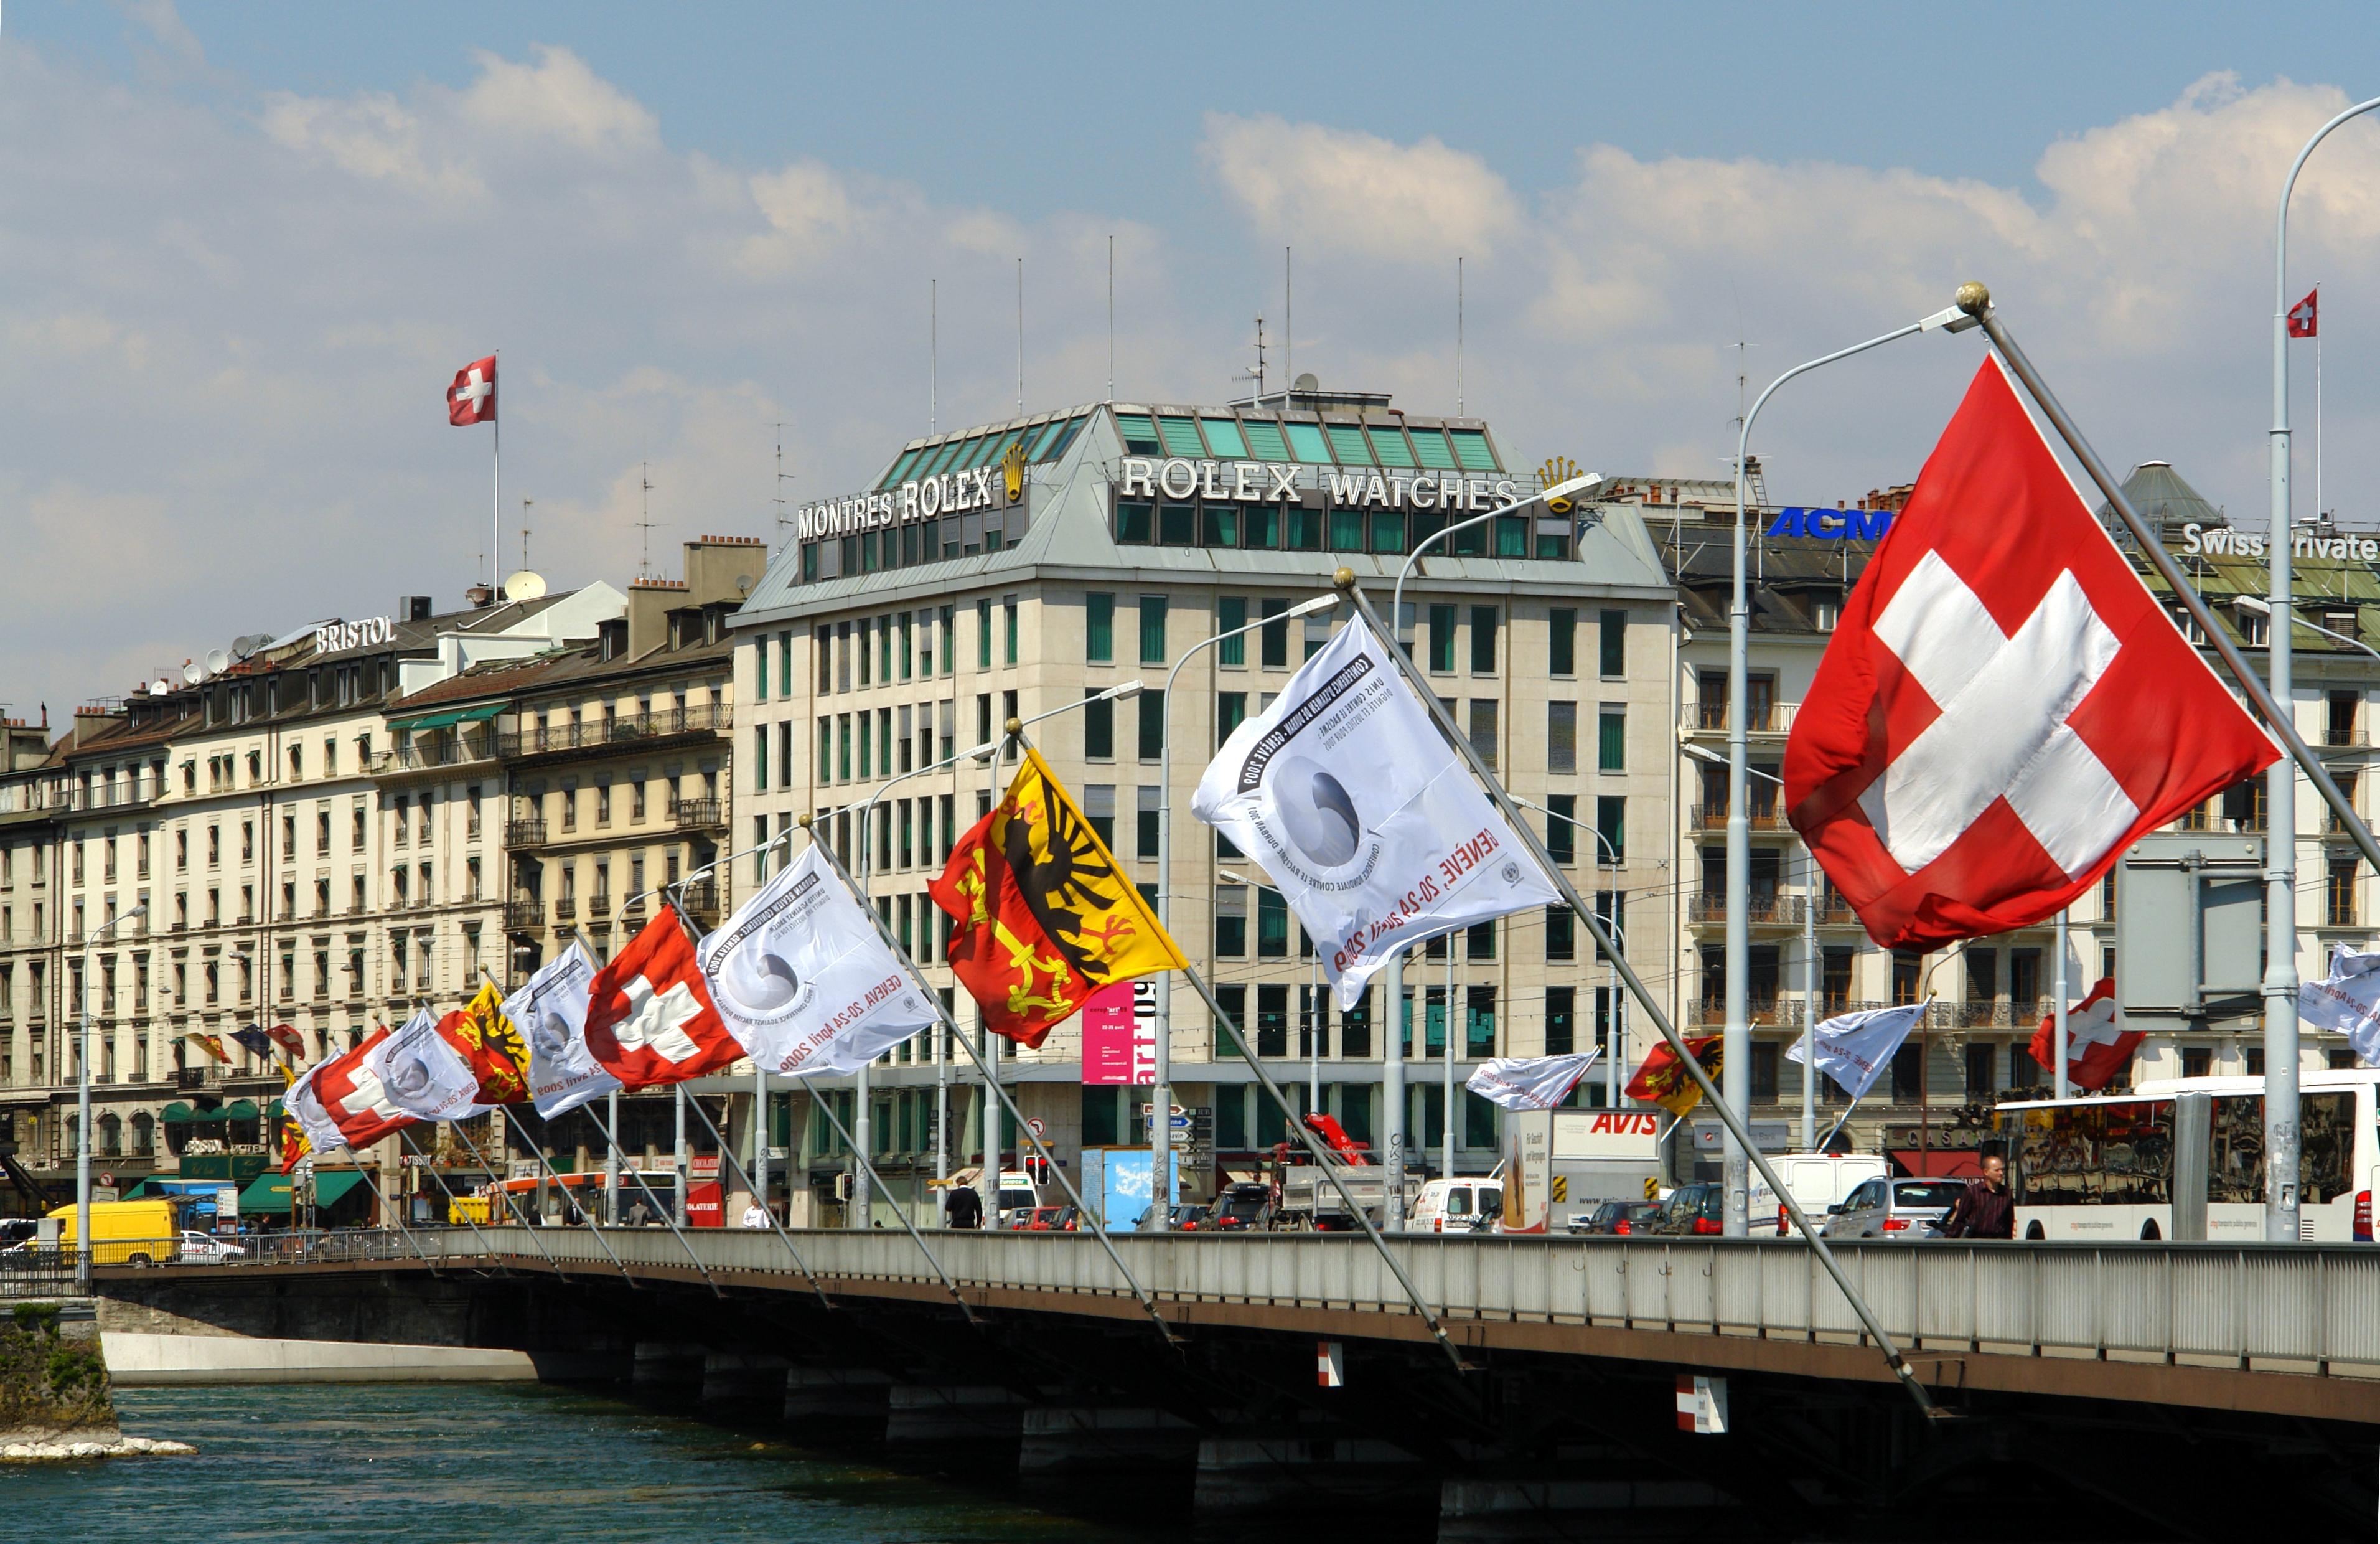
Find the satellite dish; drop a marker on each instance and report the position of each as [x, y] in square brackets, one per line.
[191, 673]
[217, 661]
[526, 585]
[159, 686]
[248, 644]
[743, 584]
[1305, 383]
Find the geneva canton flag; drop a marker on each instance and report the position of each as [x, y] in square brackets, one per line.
[805, 982]
[551, 1010]
[1344, 793]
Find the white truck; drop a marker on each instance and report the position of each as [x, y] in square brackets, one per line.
[1558, 1163]
[1818, 1180]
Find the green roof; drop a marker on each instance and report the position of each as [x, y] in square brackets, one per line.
[330, 1184]
[448, 719]
[267, 1193]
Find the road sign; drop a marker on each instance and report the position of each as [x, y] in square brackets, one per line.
[1037, 1125]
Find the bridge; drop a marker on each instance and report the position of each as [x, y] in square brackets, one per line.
[2069, 1375]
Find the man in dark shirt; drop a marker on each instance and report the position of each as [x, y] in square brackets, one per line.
[1985, 1210]
[965, 1207]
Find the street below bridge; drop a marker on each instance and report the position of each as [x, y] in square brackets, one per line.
[1292, 1372]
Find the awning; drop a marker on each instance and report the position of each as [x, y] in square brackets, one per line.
[266, 1193]
[1938, 1162]
[272, 1111]
[240, 1109]
[330, 1184]
[177, 1114]
[449, 719]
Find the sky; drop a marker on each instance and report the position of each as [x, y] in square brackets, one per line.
[243, 247]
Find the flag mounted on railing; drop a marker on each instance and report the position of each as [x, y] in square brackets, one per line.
[342, 1103]
[1855, 1048]
[291, 1138]
[804, 980]
[1046, 916]
[422, 1073]
[1344, 793]
[1530, 1082]
[552, 1008]
[649, 1017]
[1663, 1080]
[253, 1040]
[492, 1045]
[211, 1044]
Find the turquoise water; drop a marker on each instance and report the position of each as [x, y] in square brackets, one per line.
[516, 1462]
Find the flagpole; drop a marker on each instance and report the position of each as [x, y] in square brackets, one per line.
[1810, 983]
[448, 1191]
[1446, 1126]
[1345, 580]
[461, 1129]
[783, 1236]
[538, 1153]
[988, 1182]
[834, 860]
[612, 1164]
[496, 515]
[2061, 987]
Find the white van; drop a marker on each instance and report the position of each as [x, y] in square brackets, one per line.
[1457, 1206]
[1818, 1180]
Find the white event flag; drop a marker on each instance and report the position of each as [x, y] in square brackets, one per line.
[802, 979]
[1346, 794]
[423, 1076]
[302, 1101]
[1854, 1049]
[1529, 1082]
[551, 1009]
[2347, 1000]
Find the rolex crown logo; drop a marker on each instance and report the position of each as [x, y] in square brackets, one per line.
[1011, 471]
[1558, 469]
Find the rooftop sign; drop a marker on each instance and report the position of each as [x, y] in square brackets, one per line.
[998, 484]
[1267, 482]
[333, 637]
[2224, 542]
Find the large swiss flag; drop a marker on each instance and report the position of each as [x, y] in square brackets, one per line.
[649, 1017]
[2004, 707]
[341, 1102]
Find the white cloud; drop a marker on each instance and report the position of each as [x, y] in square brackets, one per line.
[372, 136]
[1340, 189]
[557, 98]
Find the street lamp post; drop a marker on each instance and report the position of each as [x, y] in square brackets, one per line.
[1160, 1217]
[2281, 1130]
[83, 1104]
[1616, 1052]
[1735, 1072]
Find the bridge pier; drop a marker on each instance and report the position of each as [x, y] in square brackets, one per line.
[953, 1413]
[848, 1403]
[667, 1365]
[744, 1375]
[1067, 1439]
[1560, 1511]
[1309, 1470]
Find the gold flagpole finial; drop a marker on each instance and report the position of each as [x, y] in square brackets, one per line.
[1973, 298]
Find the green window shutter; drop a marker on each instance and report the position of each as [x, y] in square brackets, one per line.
[1441, 638]
[1611, 628]
[1231, 711]
[1431, 449]
[786, 665]
[1471, 449]
[1611, 825]
[1389, 444]
[1612, 739]
[1306, 440]
[1231, 611]
[1152, 725]
[1135, 524]
[1265, 439]
[983, 635]
[761, 760]
[1483, 640]
[1347, 440]
[1181, 436]
[1152, 629]
[1562, 831]
[1346, 530]
[1223, 439]
[900, 472]
[1561, 641]
[1099, 628]
[1139, 434]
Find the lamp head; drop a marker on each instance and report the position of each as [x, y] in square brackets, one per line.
[2256, 603]
[1562, 494]
[1122, 688]
[1319, 602]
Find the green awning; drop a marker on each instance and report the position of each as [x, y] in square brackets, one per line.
[330, 1184]
[238, 1109]
[448, 719]
[272, 1111]
[177, 1114]
[266, 1193]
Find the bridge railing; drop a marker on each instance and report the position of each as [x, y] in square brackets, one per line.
[2318, 1306]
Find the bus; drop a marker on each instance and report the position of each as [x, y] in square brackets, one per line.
[581, 1196]
[2102, 1167]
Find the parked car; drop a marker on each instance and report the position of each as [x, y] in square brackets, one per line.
[1893, 1209]
[1694, 1208]
[1241, 1207]
[1042, 1219]
[1612, 1219]
[1188, 1217]
[205, 1248]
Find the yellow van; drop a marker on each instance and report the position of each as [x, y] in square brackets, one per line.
[124, 1233]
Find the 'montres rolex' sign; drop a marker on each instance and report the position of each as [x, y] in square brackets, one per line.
[1265, 482]
[921, 498]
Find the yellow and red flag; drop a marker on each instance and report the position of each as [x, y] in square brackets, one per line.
[1663, 1080]
[211, 1044]
[498, 1057]
[1045, 915]
[293, 1145]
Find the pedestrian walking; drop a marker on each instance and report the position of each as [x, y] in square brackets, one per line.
[1985, 1210]
[964, 1209]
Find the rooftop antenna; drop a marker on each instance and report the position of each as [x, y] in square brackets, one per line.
[645, 524]
[525, 505]
[1110, 317]
[1020, 337]
[1257, 369]
[1458, 337]
[933, 353]
[1288, 328]
[782, 480]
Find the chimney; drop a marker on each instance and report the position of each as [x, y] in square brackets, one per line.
[413, 608]
[725, 569]
[649, 603]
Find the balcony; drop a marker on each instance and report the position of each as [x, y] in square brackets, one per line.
[129, 794]
[701, 900]
[1768, 718]
[1713, 817]
[698, 814]
[1768, 910]
[523, 915]
[599, 904]
[525, 830]
[418, 756]
[566, 910]
[627, 730]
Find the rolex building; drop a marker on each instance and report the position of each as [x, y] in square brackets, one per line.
[1025, 569]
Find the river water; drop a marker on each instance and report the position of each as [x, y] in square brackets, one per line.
[506, 1462]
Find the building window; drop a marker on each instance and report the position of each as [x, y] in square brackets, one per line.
[1098, 727]
[1231, 711]
[1483, 729]
[2338, 894]
[1561, 1020]
[1561, 827]
[1144, 842]
[1441, 638]
[1099, 807]
[1611, 738]
[1483, 640]
[1611, 644]
[1099, 628]
[1560, 933]
[1561, 641]
[1232, 921]
[1230, 614]
[1008, 630]
[1611, 827]
[1152, 629]
[1479, 941]
[1272, 925]
[1764, 1071]
[1274, 639]
[1561, 737]
[1152, 725]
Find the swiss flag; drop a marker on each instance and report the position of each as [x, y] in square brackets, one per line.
[2095, 1048]
[2004, 706]
[649, 1017]
[287, 1038]
[2302, 315]
[472, 397]
[344, 1094]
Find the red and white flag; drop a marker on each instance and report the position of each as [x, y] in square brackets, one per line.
[2302, 315]
[2004, 706]
[649, 1017]
[2097, 1046]
[342, 1103]
[472, 398]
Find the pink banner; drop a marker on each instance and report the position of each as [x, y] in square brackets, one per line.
[1108, 1034]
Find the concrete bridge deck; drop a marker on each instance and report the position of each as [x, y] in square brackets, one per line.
[2278, 1330]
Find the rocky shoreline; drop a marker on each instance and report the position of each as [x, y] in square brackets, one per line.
[54, 1389]
[91, 1447]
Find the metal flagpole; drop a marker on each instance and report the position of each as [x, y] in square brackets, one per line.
[364, 1174]
[759, 1139]
[448, 1191]
[988, 1180]
[539, 1153]
[496, 515]
[461, 1130]
[1345, 580]
[2060, 986]
[1392, 1099]
[728, 1154]
[1445, 1144]
[611, 1163]
[2280, 984]
[1809, 980]
[677, 1100]
[999, 1094]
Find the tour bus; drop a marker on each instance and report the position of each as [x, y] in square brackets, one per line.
[2102, 1167]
